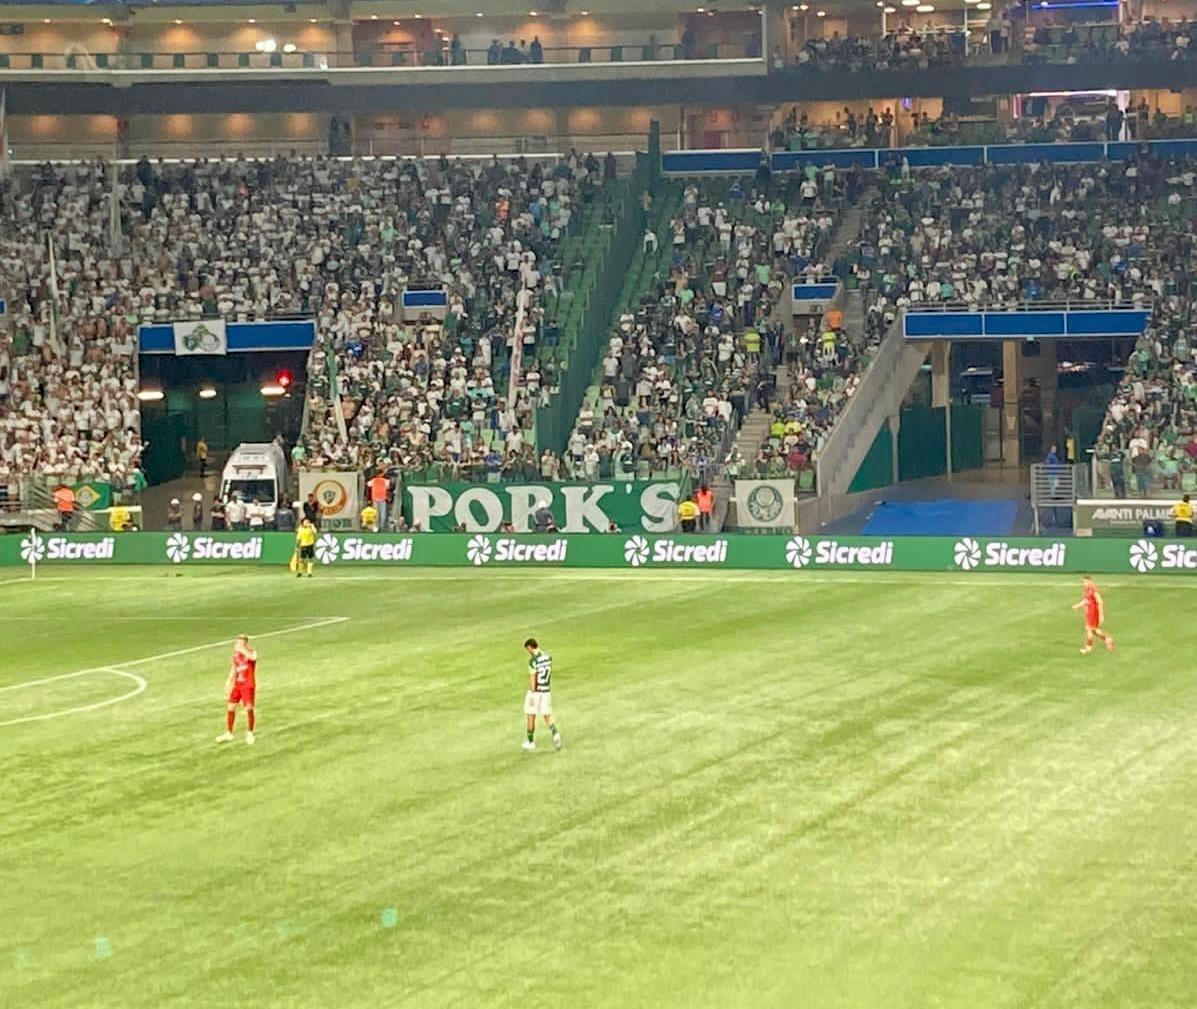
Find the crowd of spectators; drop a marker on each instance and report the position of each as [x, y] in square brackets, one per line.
[434, 392]
[904, 49]
[1014, 33]
[249, 240]
[68, 406]
[683, 367]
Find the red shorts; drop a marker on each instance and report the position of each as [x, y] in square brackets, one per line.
[242, 693]
[1092, 620]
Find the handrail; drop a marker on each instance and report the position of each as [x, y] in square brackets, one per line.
[1099, 305]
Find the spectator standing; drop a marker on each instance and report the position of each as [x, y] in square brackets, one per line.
[235, 513]
[311, 510]
[380, 488]
[687, 515]
[255, 515]
[1182, 512]
[197, 510]
[64, 504]
[369, 518]
[201, 456]
[216, 511]
[174, 515]
[705, 499]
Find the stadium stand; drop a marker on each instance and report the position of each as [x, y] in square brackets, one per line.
[696, 328]
[339, 240]
[68, 407]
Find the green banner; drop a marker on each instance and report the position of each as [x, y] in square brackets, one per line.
[630, 551]
[94, 495]
[576, 507]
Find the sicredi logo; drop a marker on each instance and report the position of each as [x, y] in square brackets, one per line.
[968, 554]
[832, 553]
[35, 549]
[482, 550]
[636, 551]
[328, 549]
[207, 548]
[357, 548]
[1145, 556]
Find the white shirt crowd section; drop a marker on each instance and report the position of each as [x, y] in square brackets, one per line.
[247, 240]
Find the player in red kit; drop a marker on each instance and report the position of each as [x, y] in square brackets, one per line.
[240, 688]
[1095, 613]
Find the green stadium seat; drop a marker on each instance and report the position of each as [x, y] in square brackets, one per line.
[242, 60]
[102, 61]
[5, 61]
[1188, 482]
[37, 61]
[212, 59]
[806, 481]
[147, 61]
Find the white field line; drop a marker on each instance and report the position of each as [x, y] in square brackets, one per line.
[139, 684]
[119, 669]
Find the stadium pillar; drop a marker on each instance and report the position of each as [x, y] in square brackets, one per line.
[1011, 403]
[941, 372]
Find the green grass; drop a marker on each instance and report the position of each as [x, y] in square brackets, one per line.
[777, 790]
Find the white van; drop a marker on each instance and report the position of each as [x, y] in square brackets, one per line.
[256, 472]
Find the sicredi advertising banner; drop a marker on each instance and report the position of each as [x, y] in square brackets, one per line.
[633, 552]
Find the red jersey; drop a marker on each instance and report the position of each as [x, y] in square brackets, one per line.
[1092, 605]
[244, 669]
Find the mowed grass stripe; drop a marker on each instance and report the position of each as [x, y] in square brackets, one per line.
[775, 793]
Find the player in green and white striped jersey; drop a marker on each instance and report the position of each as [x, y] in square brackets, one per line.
[539, 698]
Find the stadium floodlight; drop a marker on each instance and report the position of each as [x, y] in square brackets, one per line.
[289, 47]
[925, 9]
[207, 392]
[820, 14]
[150, 395]
[911, 3]
[273, 390]
[889, 10]
[984, 6]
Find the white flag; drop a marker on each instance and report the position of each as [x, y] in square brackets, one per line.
[54, 296]
[204, 337]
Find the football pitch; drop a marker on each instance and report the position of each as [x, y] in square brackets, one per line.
[780, 790]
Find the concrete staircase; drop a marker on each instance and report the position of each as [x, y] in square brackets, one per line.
[755, 428]
[878, 397]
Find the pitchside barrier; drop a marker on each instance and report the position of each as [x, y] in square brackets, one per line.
[634, 551]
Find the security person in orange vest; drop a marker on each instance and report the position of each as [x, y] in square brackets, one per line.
[64, 504]
[705, 498]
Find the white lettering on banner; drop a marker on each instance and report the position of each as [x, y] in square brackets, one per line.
[354, 548]
[488, 500]
[672, 552]
[800, 552]
[428, 503]
[968, 555]
[481, 509]
[205, 548]
[57, 548]
[1002, 555]
[524, 498]
[658, 505]
[535, 553]
[832, 552]
[481, 550]
[1177, 556]
[582, 507]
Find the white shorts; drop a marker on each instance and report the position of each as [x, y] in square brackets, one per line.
[538, 702]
